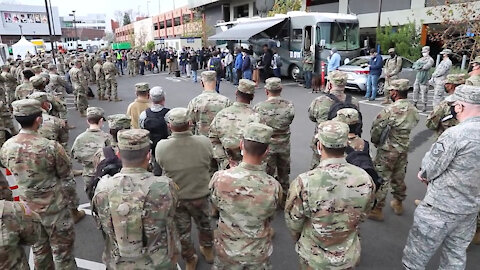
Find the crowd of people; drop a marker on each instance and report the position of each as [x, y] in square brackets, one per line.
[157, 169]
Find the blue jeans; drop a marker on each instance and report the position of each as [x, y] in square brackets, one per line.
[372, 86]
[308, 79]
[247, 74]
[194, 75]
[217, 85]
[277, 73]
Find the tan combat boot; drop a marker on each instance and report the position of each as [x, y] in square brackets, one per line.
[77, 173]
[417, 202]
[192, 263]
[397, 207]
[376, 214]
[207, 253]
[476, 237]
[77, 215]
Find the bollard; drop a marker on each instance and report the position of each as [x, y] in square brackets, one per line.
[323, 74]
[464, 62]
[438, 59]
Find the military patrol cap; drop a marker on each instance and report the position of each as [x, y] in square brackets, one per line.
[40, 96]
[157, 93]
[77, 60]
[348, 116]
[391, 50]
[142, 87]
[133, 139]
[333, 134]
[455, 78]
[27, 61]
[37, 80]
[178, 116]
[425, 49]
[95, 111]
[273, 84]
[465, 93]
[45, 75]
[476, 60]
[52, 66]
[119, 121]
[337, 77]
[209, 75]
[257, 132]
[399, 85]
[446, 51]
[36, 69]
[246, 86]
[26, 107]
[5, 66]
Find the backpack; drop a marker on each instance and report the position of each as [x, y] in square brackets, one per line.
[363, 160]
[111, 165]
[216, 65]
[156, 124]
[338, 105]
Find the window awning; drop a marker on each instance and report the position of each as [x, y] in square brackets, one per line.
[244, 31]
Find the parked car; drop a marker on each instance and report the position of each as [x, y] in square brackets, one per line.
[357, 76]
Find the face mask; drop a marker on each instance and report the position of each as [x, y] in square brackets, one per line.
[392, 98]
[50, 107]
[241, 152]
[425, 54]
[453, 112]
[392, 55]
[319, 152]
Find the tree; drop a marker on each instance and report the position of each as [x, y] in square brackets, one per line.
[109, 36]
[126, 19]
[284, 6]
[404, 38]
[150, 45]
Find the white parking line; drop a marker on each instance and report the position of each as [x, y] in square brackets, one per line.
[366, 102]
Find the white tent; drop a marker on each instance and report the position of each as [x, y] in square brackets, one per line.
[22, 47]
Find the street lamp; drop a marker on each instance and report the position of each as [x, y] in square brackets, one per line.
[21, 31]
[75, 27]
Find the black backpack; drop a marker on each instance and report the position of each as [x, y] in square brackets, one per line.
[156, 124]
[363, 160]
[338, 105]
[111, 165]
[216, 65]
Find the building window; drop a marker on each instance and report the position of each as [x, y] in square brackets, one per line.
[169, 23]
[162, 25]
[241, 11]
[176, 21]
[155, 26]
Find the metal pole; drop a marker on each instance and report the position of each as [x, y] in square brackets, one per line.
[75, 26]
[464, 62]
[21, 31]
[379, 14]
[50, 29]
[53, 24]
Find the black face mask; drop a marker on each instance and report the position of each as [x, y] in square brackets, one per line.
[392, 55]
[453, 112]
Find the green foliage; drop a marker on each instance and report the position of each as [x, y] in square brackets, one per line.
[405, 39]
[150, 45]
[126, 19]
[284, 6]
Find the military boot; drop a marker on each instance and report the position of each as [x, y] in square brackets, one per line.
[476, 237]
[415, 105]
[192, 263]
[376, 214]
[397, 207]
[77, 215]
[118, 99]
[417, 202]
[207, 253]
[83, 114]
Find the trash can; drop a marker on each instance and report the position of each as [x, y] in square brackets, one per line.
[177, 73]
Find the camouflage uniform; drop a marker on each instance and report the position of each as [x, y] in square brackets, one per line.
[100, 79]
[326, 205]
[277, 113]
[23, 90]
[439, 76]
[41, 167]
[391, 159]
[61, 65]
[447, 215]
[185, 158]
[6, 123]
[204, 107]
[87, 143]
[320, 107]
[21, 226]
[80, 87]
[226, 129]
[10, 83]
[58, 86]
[131, 60]
[350, 117]
[392, 67]
[111, 81]
[136, 213]
[420, 87]
[246, 198]
[474, 79]
[140, 104]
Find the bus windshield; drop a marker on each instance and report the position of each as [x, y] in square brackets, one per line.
[340, 35]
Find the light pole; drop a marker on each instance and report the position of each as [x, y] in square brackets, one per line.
[21, 31]
[75, 27]
[148, 9]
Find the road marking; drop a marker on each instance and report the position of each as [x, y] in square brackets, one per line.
[173, 79]
[366, 102]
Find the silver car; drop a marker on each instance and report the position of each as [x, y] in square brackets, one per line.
[357, 76]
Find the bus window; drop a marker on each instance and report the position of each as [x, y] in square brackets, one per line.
[308, 37]
[343, 36]
[296, 42]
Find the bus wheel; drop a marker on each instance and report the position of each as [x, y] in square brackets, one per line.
[294, 72]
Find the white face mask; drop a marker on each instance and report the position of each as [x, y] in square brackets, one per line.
[319, 152]
[241, 152]
[425, 54]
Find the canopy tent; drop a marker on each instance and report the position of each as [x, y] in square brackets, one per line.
[244, 31]
[22, 47]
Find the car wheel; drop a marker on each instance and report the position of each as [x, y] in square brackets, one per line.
[294, 72]
[381, 87]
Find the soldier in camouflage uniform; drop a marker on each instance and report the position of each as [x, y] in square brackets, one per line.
[392, 67]
[246, 198]
[390, 133]
[475, 73]
[100, 78]
[10, 84]
[204, 107]
[226, 129]
[320, 107]
[60, 64]
[110, 79]
[41, 166]
[447, 215]
[80, 87]
[423, 66]
[26, 88]
[351, 117]
[136, 210]
[277, 113]
[87, 143]
[439, 76]
[186, 158]
[131, 61]
[58, 84]
[326, 205]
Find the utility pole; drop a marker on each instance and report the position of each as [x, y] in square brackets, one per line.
[148, 9]
[75, 27]
[21, 31]
[379, 16]
[50, 30]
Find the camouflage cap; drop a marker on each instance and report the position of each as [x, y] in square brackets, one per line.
[476, 60]
[119, 121]
[178, 116]
[273, 84]
[77, 60]
[45, 75]
[391, 50]
[142, 87]
[38, 80]
[26, 107]
[465, 93]
[95, 111]
[258, 133]
[399, 85]
[40, 96]
[37, 69]
[5, 66]
[333, 134]
[246, 86]
[348, 116]
[133, 139]
[455, 78]
[425, 49]
[51, 66]
[337, 77]
[446, 51]
[209, 75]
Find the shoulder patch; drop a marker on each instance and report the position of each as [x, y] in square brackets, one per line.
[438, 149]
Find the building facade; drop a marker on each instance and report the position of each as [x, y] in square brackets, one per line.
[89, 27]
